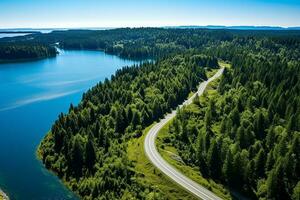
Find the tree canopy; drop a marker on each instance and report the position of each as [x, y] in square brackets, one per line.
[244, 135]
[87, 146]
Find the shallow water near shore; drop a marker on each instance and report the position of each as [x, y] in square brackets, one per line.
[32, 95]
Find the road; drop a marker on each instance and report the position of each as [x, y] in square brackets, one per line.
[166, 168]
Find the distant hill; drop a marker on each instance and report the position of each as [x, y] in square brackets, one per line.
[239, 27]
[48, 30]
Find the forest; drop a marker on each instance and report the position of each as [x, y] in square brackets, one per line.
[132, 43]
[245, 135]
[141, 43]
[87, 146]
[23, 51]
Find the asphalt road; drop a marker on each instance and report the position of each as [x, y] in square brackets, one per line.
[166, 168]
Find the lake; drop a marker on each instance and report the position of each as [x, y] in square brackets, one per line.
[32, 94]
[3, 35]
[21, 32]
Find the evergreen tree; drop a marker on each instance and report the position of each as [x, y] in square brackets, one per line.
[77, 156]
[260, 163]
[228, 168]
[90, 154]
[213, 159]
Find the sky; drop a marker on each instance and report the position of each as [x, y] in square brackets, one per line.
[140, 13]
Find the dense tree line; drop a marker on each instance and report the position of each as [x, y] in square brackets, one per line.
[22, 51]
[87, 146]
[247, 136]
[157, 42]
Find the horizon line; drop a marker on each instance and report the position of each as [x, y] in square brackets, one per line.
[153, 26]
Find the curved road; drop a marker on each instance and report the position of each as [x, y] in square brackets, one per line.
[166, 168]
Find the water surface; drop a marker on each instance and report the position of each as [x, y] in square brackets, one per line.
[32, 94]
[3, 35]
[22, 31]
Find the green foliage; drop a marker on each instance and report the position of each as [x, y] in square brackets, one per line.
[250, 139]
[22, 51]
[245, 134]
[87, 146]
[158, 42]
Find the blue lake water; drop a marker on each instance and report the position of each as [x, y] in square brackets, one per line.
[14, 32]
[32, 94]
[3, 35]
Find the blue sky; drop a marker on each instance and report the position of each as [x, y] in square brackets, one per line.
[123, 13]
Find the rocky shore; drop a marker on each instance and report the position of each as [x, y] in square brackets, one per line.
[3, 196]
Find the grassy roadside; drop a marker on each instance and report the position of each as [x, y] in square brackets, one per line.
[209, 73]
[224, 64]
[170, 154]
[149, 175]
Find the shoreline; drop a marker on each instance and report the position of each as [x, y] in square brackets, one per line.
[23, 60]
[3, 196]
